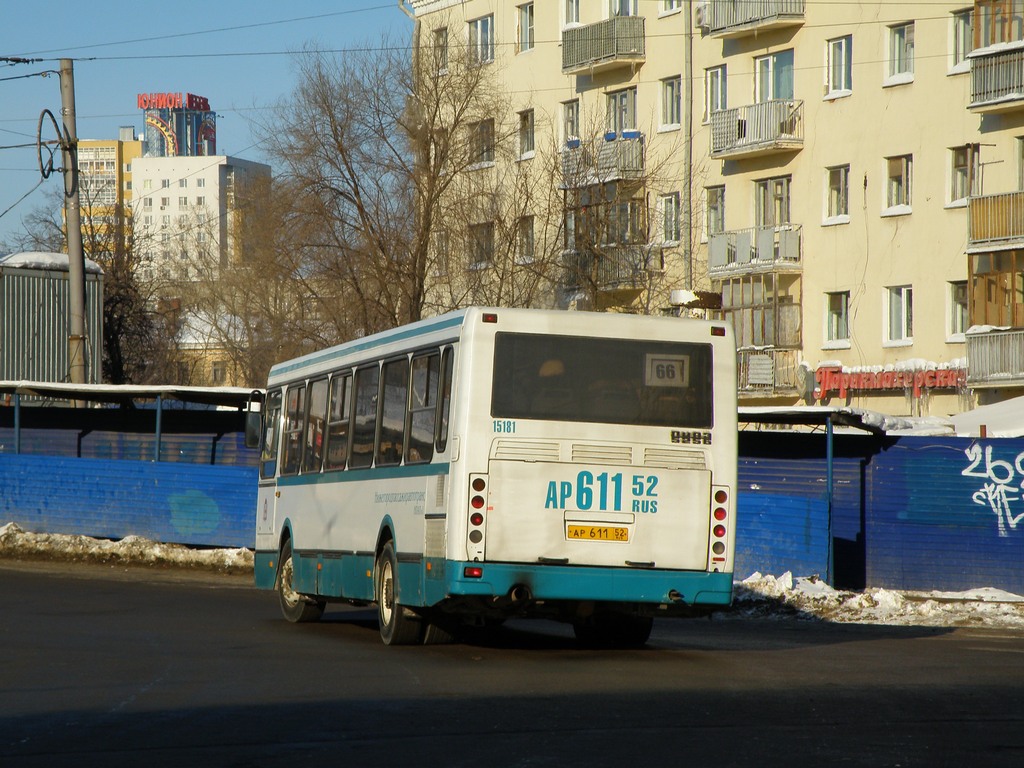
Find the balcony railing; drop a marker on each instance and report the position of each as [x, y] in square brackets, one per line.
[769, 371]
[995, 220]
[736, 18]
[758, 249]
[769, 126]
[615, 267]
[995, 358]
[620, 158]
[997, 81]
[610, 43]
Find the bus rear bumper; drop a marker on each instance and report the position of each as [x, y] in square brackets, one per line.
[625, 585]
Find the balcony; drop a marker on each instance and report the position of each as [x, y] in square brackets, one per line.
[739, 18]
[615, 267]
[770, 371]
[995, 358]
[758, 129]
[758, 249]
[997, 80]
[615, 42]
[995, 222]
[617, 158]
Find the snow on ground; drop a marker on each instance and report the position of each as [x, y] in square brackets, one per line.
[757, 596]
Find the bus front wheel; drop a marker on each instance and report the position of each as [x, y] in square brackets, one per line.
[398, 625]
[297, 608]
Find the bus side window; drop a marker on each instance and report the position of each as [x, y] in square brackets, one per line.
[337, 428]
[364, 416]
[293, 430]
[390, 446]
[422, 408]
[444, 402]
[271, 424]
[315, 415]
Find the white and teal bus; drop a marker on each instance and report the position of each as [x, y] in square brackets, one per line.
[496, 463]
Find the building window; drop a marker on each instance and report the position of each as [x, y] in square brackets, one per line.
[668, 6]
[901, 53]
[958, 315]
[183, 202]
[715, 210]
[524, 241]
[839, 67]
[621, 111]
[622, 8]
[183, 183]
[714, 91]
[200, 182]
[441, 49]
[837, 318]
[671, 101]
[899, 177]
[900, 314]
[774, 76]
[147, 202]
[838, 204]
[482, 144]
[481, 245]
[571, 120]
[526, 134]
[481, 40]
[771, 197]
[965, 174]
[526, 39]
[200, 201]
[670, 217]
[963, 39]
[572, 11]
[165, 183]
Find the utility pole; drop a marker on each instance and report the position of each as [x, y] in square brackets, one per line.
[688, 150]
[73, 219]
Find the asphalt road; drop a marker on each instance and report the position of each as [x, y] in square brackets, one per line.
[136, 667]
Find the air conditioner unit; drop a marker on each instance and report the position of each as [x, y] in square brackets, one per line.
[702, 15]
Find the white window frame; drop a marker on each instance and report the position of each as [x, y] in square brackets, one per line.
[671, 218]
[957, 311]
[899, 184]
[899, 316]
[526, 240]
[482, 143]
[900, 54]
[837, 320]
[714, 210]
[622, 8]
[837, 195]
[571, 120]
[964, 173]
[671, 103]
[621, 111]
[767, 71]
[839, 67]
[773, 201]
[527, 136]
[481, 245]
[481, 39]
[570, 12]
[527, 38]
[715, 91]
[669, 7]
[961, 40]
[439, 36]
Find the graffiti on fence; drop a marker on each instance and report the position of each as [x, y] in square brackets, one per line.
[1002, 484]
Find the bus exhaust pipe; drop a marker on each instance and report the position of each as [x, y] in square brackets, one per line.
[520, 593]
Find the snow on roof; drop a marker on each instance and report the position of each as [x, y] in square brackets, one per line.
[44, 260]
[859, 418]
[1004, 419]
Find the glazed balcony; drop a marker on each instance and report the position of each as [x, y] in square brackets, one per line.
[615, 267]
[607, 44]
[758, 249]
[997, 80]
[995, 358]
[995, 221]
[762, 372]
[758, 129]
[741, 18]
[615, 158]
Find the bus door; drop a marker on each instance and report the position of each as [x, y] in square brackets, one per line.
[266, 497]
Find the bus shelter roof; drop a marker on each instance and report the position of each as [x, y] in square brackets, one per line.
[128, 394]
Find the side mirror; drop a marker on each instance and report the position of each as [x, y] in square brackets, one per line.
[253, 420]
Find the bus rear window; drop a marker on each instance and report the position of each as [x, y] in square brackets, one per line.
[611, 381]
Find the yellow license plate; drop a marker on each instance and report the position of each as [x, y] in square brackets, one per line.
[597, 533]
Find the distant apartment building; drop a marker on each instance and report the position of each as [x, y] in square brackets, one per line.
[105, 168]
[854, 197]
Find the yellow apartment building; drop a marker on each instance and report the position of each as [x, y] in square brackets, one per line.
[846, 180]
[105, 168]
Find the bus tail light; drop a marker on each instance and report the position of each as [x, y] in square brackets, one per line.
[720, 512]
[477, 515]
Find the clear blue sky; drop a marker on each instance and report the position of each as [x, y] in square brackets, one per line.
[239, 55]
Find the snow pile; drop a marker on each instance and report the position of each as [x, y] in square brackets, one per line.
[15, 542]
[811, 598]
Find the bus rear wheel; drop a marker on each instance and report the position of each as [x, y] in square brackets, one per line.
[613, 630]
[398, 625]
[297, 608]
